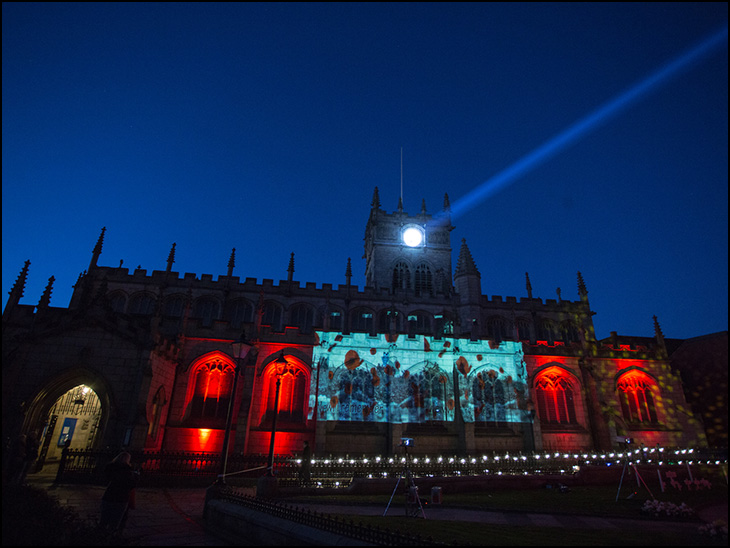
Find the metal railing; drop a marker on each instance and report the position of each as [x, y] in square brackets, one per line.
[325, 522]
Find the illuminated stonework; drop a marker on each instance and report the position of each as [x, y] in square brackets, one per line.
[419, 352]
[418, 379]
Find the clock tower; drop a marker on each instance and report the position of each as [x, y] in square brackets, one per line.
[408, 252]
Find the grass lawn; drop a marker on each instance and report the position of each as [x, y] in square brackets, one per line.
[597, 501]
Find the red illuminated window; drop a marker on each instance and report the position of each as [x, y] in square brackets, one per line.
[292, 393]
[212, 392]
[554, 395]
[637, 399]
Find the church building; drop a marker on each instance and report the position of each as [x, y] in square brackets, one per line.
[148, 360]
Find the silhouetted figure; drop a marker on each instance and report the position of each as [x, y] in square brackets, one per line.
[17, 460]
[31, 454]
[122, 481]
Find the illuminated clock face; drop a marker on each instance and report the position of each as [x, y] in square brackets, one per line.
[412, 237]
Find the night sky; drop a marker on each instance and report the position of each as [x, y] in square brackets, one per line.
[266, 127]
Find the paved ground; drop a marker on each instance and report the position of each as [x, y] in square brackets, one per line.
[174, 517]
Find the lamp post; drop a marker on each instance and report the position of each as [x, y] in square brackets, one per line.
[280, 366]
[241, 347]
[266, 486]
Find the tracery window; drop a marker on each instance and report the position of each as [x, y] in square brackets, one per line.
[424, 280]
[490, 403]
[303, 316]
[523, 329]
[401, 276]
[419, 322]
[174, 306]
[362, 320]
[239, 312]
[141, 303]
[292, 393]
[272, 315]
[496, 329]
[444, 325]
[213, 382]
[335, 317]
[569, 332]
[554, 395]
[637, 399]
[389, 317]
[206, 309]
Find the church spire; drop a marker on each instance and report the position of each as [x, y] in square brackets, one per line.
[231, 262]
[528, 285]
[171, 258]
[659, 336]
[290, 270]
[465, 264]
[17, 290]
[400, 204]
[46, 297]
[348, 271]
[97, 249]
[423, 206]
[582, 291]
[375, 204]
[447, 203]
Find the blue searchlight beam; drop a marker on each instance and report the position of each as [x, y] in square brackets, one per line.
[586, 124]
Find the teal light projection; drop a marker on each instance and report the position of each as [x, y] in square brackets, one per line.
[400, 379]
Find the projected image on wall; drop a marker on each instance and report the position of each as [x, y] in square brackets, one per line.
[359, 377]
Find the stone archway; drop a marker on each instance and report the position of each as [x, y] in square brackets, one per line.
[74, 407]
[74, 418]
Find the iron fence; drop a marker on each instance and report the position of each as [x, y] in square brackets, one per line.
[196, 468]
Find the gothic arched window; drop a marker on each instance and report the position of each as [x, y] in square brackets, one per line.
[401, 276]
[388, 318]
[554, 395]
[239, 312]
[424, 280]
[419, 322]
[212, 391]
[272, 315]
[523, 329]
[292, 392]
[637, 399]
[174, 306]
[569, 332]
[206, 309]
[303, 316]
[362, 320]
[490, 405]
[496, 329]
[141, 303]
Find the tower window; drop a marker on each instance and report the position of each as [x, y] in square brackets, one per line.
[401, 276]
[424, 280]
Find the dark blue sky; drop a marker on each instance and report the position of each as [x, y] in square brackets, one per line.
[265, 127]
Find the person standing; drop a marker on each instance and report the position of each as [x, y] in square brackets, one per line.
[115, 502]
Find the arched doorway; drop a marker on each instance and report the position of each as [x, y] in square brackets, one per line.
[75, 418]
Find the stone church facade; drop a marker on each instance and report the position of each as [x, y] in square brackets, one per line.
[145, 360]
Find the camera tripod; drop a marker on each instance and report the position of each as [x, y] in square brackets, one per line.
[413, 501]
